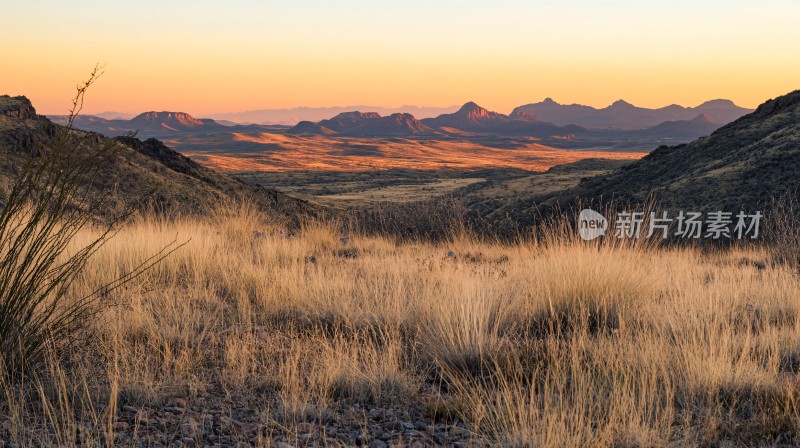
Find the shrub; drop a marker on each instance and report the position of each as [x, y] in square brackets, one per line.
[49, 203]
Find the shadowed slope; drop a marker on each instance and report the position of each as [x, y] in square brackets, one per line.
[137, 170]
[742, 164]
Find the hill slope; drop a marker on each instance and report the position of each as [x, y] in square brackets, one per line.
[394, 125]
[740, 166]
[136, 169]
[363, 124]
[685, 130]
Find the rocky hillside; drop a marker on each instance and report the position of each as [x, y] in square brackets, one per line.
[740, 166]
[139, 172]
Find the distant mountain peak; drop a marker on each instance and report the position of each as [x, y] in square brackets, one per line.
[718, 103]
[469, 117]
[475, 112]
[167, 117]
[549, 100]
[703, 118]
[620, 104]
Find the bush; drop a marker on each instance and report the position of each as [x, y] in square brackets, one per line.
[49, 203]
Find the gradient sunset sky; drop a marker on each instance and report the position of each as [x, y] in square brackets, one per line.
[204, 57]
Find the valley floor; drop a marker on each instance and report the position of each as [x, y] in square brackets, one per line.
[249, 335]
[267, 152]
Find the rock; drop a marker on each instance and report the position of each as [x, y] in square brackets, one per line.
[17, 107]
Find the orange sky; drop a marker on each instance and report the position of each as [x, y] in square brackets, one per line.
[205, 57]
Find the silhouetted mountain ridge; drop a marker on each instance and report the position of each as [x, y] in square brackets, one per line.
[625, 124]
[623, 115]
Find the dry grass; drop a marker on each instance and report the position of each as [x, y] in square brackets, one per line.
[540, 344]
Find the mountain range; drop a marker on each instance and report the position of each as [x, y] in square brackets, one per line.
[541, 120]
[473, 119]
[292, 116]
[158, 125]
[623, 115]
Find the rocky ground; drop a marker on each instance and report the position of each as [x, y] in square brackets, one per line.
[202, 422]
[211, 420]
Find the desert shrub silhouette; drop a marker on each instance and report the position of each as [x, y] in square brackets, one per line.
[47, 206]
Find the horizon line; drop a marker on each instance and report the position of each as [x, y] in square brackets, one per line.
[209, 114]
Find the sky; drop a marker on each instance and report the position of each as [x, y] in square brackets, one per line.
[206, 57]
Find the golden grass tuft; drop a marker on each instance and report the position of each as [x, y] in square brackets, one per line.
[532, 344]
